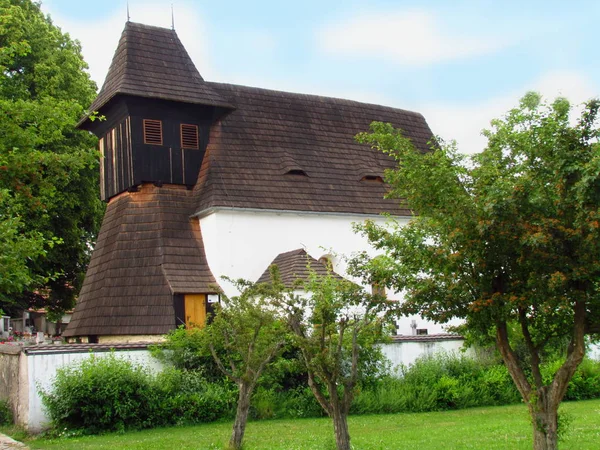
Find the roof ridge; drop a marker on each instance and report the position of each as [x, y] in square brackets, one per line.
[315, 97]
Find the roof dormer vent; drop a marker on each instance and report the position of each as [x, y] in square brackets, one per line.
[372, 179]
[297, 172]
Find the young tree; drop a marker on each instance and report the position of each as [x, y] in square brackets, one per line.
[510, 235]
[48, 177]
[244, 337]
[336, 325]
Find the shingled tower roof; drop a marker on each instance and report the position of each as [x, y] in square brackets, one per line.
[148, 250]
[152, 62]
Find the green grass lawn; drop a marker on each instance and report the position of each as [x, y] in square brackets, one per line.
[505, 427]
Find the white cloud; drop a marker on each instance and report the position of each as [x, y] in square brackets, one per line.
[99, 38]
[410, 37]
[465, 122]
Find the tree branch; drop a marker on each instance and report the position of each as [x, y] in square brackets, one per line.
[220, 364]
[533, 350]
[511, 361]
[575, 354]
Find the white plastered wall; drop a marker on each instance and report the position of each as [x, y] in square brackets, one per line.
[242, 243]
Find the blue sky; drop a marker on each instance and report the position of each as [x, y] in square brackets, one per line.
[459, 63]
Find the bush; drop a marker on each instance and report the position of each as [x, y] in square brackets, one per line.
[439, 382]
[100, 394]
[6, 416]
[184, 349]
[293, 403]
[186, 397]
[585, 383]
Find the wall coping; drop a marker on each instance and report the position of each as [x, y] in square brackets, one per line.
[83, 348]
[427, 338]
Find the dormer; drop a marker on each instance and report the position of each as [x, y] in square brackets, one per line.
[157, 113]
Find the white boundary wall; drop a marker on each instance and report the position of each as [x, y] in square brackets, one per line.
[38, 366]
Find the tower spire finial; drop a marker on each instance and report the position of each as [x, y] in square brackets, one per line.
[172, 18]
[128, 12]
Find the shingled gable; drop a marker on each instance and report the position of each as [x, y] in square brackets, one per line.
[251, 151]
[293, 266]
[148, 250]
[152, 62]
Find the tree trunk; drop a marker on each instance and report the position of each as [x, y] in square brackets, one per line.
[241, 417]
[340, 427]
[544, 418]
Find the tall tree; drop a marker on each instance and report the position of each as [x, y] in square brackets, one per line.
[336, 325]
[507, 236]
[244, 338]
[48, 175]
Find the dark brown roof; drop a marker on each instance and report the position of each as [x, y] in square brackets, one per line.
[152, 62]
[294, 266]
[148, 249]
[272, 132]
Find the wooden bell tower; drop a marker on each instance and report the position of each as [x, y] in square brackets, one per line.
[155, 113]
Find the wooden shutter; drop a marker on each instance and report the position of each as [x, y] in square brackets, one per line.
[153, 132]
[189, 136]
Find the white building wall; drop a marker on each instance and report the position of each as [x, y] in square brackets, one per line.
[242, 243]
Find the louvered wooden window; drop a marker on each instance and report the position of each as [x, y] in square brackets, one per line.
[189, 136]
[153, 132]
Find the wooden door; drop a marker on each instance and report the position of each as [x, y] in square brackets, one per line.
[195, 310]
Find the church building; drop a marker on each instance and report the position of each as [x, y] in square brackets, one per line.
[204, 180]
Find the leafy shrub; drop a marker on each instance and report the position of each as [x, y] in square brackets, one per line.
[293, 403]
[186, 397]
[184, 349]
[6, 416]
[100, 394]
[439, 382]
[585, 383]
[112, 394]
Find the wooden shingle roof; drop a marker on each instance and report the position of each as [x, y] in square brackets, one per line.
[293, 266]
[148, 249]
[253, 149]
[152, 62]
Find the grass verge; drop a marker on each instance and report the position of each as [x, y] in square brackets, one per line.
[502, 427]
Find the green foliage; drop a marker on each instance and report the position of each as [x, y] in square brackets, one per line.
[186, 397]
[48, 169]
[100, 394]
[246, 333]
[512, 228]
[439, 382]
[507, 236]
[443, 382]
[6, 416]
[294, 403]
[244, 337]
[337, 326]
[103, 394]
[585, 383]
[186, 349]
